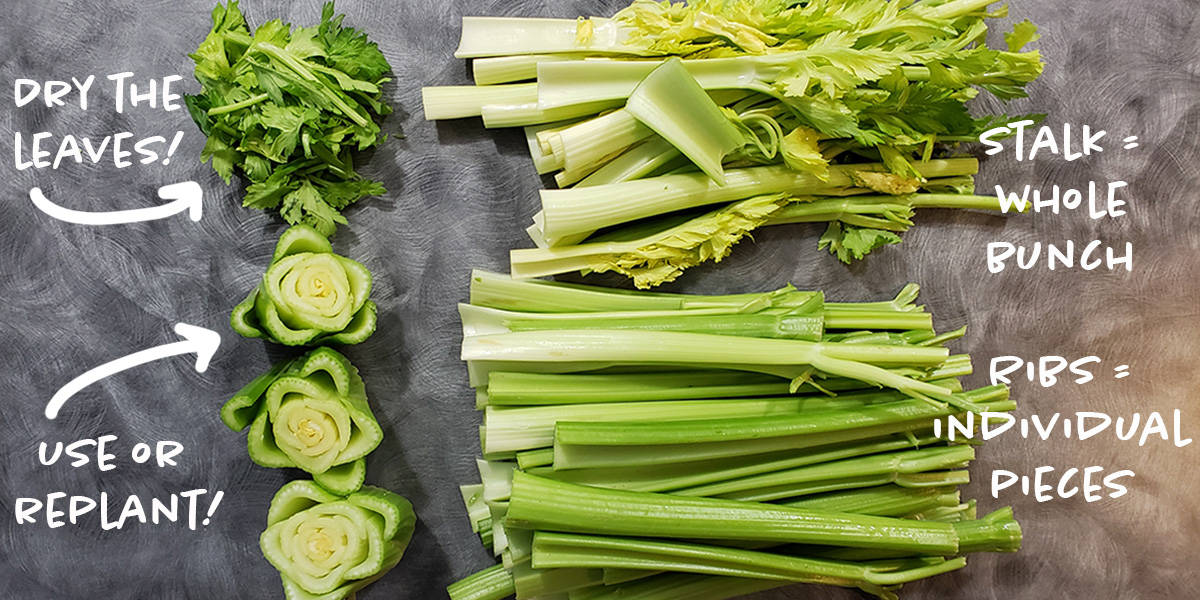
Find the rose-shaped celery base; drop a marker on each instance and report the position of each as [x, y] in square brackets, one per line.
[308, 295]
[328, 546]
[310, 413]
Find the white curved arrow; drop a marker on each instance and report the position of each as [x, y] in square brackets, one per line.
[202, 342]
[185, 196]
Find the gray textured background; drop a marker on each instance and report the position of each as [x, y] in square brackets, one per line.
[74, 297]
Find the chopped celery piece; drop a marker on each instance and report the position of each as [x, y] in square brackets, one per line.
[670, 102]
[493, 583]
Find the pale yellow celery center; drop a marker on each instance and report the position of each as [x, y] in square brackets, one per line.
[316, 429]
[320, 285]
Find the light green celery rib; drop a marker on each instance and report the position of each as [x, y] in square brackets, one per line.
[493, 583]
[545, 505]
[807, 325]
[618, 433]
[584, 210]
[523, 389]
[496, 290]
[894, 463]
[795, 490]
[542, 161]
[672, 104]
[673, 586]
[559, 550]
[616, 80]
[461, 101]
[529, 113]
[834, 209]
[568, 456]
[836, 318]
[591, 349]
[511, 429]
[510, 69]
[506, 36]
[636, 162]
[682, 476]
[531, 583]
[888, 500]
[477, 509]
[589, 142]
[506, 388]
[496, 478]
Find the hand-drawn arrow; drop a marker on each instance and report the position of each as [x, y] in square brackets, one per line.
[186, 196]
[202, 342]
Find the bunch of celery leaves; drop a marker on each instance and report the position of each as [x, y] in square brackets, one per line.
[661, 446]
[675, 130]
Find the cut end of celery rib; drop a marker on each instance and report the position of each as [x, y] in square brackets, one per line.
[509, 36]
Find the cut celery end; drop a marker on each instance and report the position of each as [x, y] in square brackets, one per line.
[463, 101]
[511, 69]
[483, 37]
[493, 583]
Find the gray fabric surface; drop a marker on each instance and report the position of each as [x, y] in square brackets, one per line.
[460, 196]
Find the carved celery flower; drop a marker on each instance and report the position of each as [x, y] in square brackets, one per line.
[310, 413]
[327, 546]
[308, 295]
